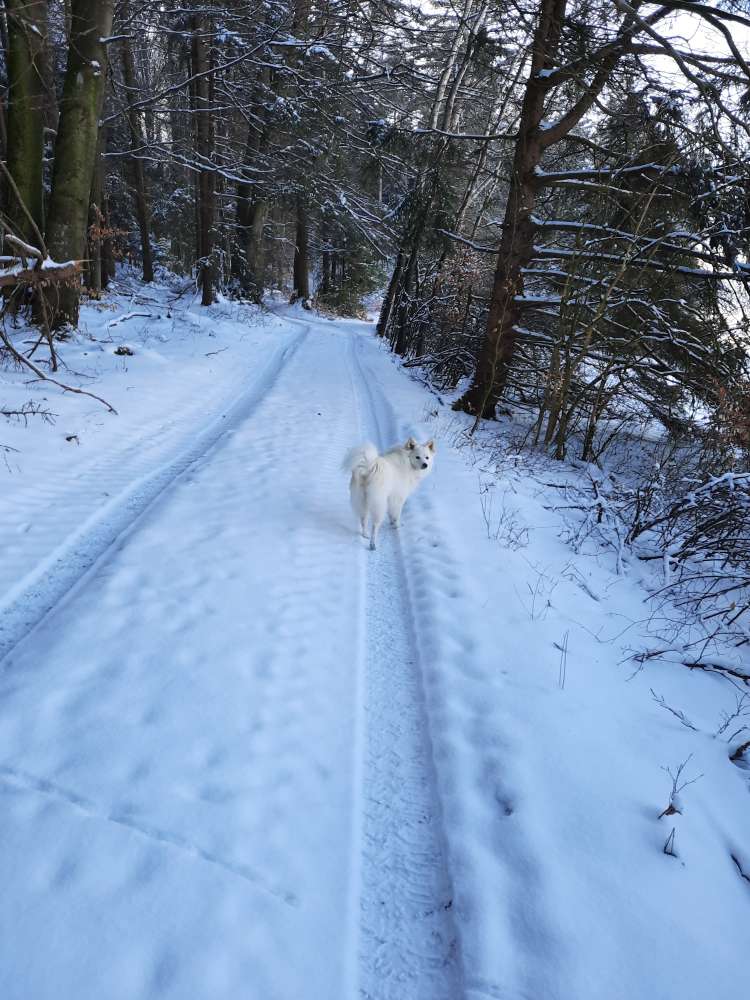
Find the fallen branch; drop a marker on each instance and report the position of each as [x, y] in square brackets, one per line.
[28, 363]
[39, 277]
[712, 668]
[127, 316]
[30, 409]
[25, 249]
[716, 668]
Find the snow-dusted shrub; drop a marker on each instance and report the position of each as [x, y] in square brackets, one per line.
[703, 542]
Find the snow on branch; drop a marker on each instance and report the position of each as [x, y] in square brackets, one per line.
[638, 260]
[547, 178]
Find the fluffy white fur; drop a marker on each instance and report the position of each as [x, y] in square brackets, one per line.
[381, 484]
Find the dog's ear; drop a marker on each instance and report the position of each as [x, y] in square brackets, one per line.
[410, 445]
[431, 445]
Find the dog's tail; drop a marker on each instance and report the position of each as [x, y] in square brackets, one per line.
[360, 460]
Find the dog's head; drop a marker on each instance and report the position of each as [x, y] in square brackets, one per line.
[420, 455]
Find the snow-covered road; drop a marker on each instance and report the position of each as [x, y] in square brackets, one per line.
[243, 758]
[206, 792]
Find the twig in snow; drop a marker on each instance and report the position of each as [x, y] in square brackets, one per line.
[741, 710]
[669, 845]
[540, 592]
[503, 526]
[743, 874]
[26, 410]
[676, 712]
[562, 670]
[674, 796]
[5, 450]
[572, 573]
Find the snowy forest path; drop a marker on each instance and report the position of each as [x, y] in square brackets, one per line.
[215, 765]
[83, 527]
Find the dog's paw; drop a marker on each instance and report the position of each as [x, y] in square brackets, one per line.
[372, 546]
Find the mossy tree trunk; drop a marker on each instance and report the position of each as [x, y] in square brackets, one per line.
[27, 33]
[76, 146]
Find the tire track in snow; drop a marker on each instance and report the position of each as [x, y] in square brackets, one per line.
[59, 575]
[499, 882]
[408, 938]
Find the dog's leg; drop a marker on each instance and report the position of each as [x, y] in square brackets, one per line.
[394, 511]
[377, 517]
[359, 505]
[377, 506]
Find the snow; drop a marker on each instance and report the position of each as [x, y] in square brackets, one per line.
[241, 756]
[551, 796]
[226, 36]
[321, 50]
[604, 171]
[52, 265]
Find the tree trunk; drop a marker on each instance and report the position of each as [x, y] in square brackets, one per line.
[390, 296]
[76, 146]
[201, 88]
[94, 262]
[325, 279]
[138, 174]
[301, 265]
[96, 225]
[256, 250]
[251, 219]
[400, 334]
[108, 261]
[27, 34]
[3, 129]
[252, 267]
[301, 277]
[517, 242]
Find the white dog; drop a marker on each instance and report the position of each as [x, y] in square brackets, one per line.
[383, 483]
